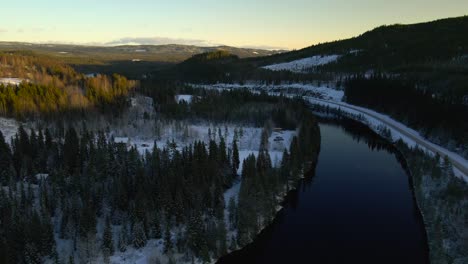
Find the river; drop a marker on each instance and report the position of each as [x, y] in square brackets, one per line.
[357, 207]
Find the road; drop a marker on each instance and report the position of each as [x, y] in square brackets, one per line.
[453, 158]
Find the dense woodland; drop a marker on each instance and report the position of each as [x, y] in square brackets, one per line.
[51, 87]
[441, 117]
[171, 194]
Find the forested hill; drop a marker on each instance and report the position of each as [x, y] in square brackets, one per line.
[43, 85]
[390, 47]
[416, 50]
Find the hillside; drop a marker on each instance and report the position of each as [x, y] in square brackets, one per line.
[37, 84]
[390, 47]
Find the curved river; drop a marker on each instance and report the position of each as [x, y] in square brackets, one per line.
[357, 208]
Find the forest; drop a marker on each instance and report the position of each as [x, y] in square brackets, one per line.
[76, 186]
[50, 87]
[437, 116]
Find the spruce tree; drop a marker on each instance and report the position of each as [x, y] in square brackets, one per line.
[107, 240]
[139, 236]
[235, 157]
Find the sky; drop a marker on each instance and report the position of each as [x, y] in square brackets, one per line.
[271, 24]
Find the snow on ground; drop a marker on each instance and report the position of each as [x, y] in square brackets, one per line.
[183, 97]
[11, 81]
[9, 127]
[153, 250]
[302, 65]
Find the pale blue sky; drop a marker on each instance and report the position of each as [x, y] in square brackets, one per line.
[273, 23]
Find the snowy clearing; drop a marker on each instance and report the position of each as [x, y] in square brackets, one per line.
[183, 97]
[11, 81]
[8, 127]
[302, 65]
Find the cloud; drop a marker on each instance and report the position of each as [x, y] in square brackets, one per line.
[159, 41]
[264, 47]
[3, 30]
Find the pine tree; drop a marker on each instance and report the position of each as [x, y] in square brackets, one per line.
[107, 240]
[32, 254]
[139, 236]
[222, 237]
[232, 209]
[235, 157]
[167, 239]
[156, 227]
[71, 149]
[47, 236]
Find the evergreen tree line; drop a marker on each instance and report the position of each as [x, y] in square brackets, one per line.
[91, 178]
[64, 183]
[240, 106]
[263, 186]
[439, 118]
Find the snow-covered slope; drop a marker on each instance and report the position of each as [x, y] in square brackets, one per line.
[302, 65]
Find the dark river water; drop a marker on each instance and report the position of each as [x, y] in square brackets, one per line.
[357, 207]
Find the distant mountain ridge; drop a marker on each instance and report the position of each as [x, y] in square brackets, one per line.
[133, 61]
[162, 53]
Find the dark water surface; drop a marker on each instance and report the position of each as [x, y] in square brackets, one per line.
[357, 208]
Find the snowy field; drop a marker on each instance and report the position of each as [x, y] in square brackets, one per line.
[9, 127]
[183, 97]
[11, 81]
[302, 65]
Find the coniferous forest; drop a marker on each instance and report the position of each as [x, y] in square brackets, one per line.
[78, 186]
[441, 117]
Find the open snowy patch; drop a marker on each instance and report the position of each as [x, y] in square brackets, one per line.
[11, 81]
[184, 97]
[9, 127]
[302, 65]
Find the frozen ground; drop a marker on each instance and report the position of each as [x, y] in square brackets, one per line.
[11, 81]
[183, 97]
[302, 65]
[9, 127]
